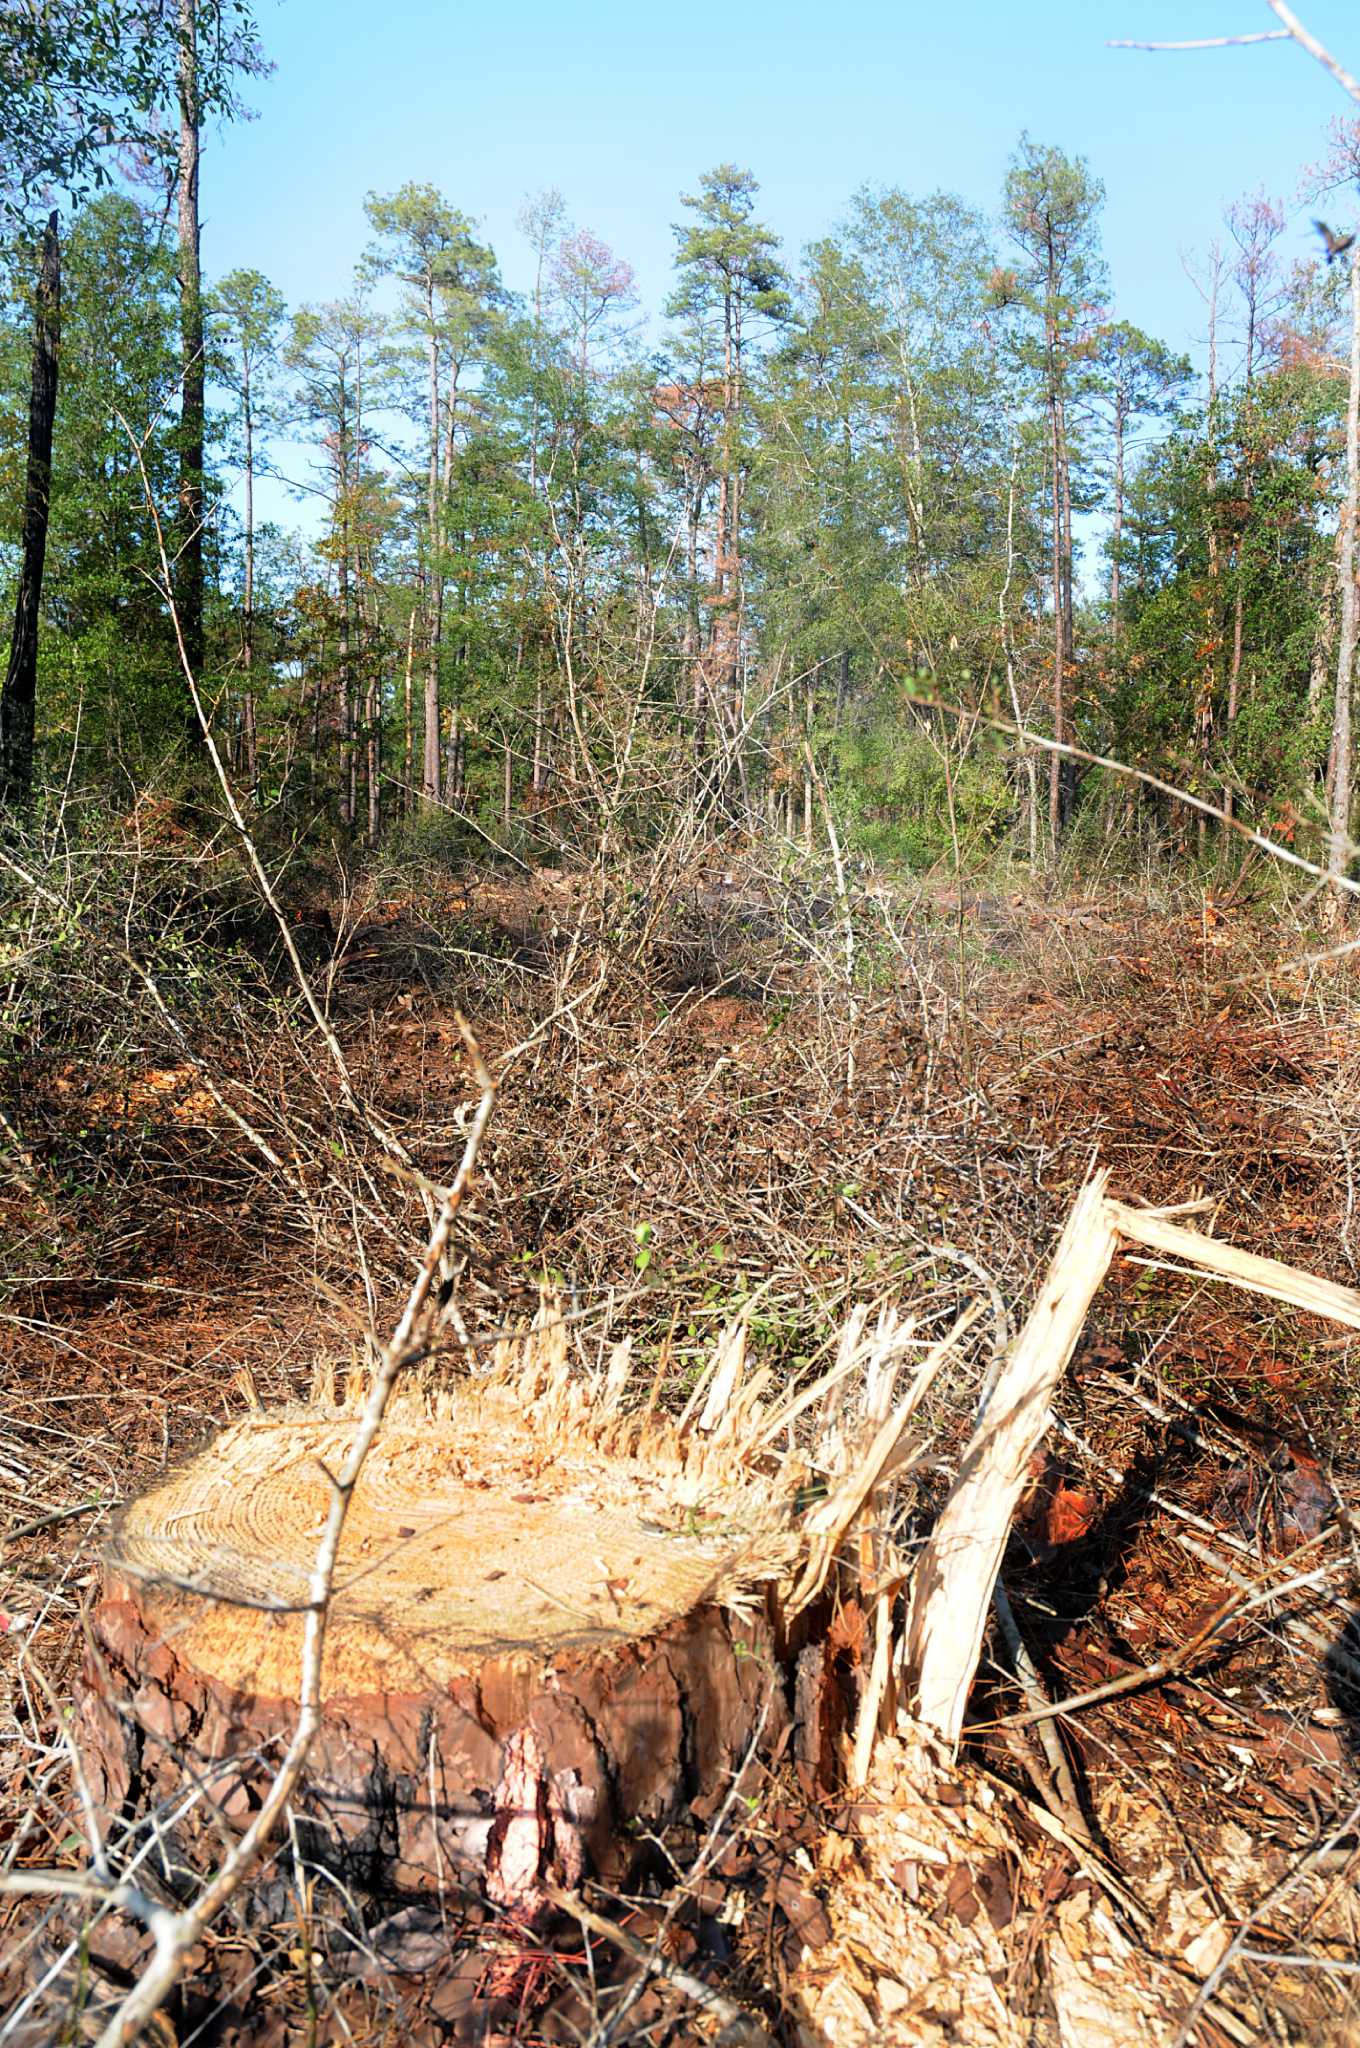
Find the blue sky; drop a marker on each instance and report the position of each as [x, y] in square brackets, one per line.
[622, 107]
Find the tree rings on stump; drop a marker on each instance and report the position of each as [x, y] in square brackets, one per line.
[543, 1638]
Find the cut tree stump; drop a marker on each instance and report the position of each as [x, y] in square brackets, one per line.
[555, 1627]
[507, 1641]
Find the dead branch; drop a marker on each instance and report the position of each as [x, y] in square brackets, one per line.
[1241, 1602]
[1295, 28]
[176, 1933]
[739, 2029]
[1273, 1897]
[1247, 1270]
[1260, 35]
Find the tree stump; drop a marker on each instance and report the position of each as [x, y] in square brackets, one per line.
[540, 1644]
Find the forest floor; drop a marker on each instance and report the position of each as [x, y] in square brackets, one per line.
[699, 1114]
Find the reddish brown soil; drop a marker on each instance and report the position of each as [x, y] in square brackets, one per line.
[711, 1127]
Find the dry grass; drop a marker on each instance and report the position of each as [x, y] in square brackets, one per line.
[676, 1144]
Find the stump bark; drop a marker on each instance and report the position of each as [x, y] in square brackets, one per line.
[533, 1655]
[556, 1625]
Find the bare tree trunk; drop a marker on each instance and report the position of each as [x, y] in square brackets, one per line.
[1204, 709]
[408, 750]
[724, 636]
[249, 737]
[736, 709]
[1117, 527]
[373, 756]
[19, 698]
[693, 641]
[189, 565]
[1234, 665]
[344, 680]
[316, 720]
[1008, 647]
[1324, 627]
[1067, 768]
[538, 734]
[435, 586]
[1059, 625]
[1339, 819]
[1239, 593]
[453, 751]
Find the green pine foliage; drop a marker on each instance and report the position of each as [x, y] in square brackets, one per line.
[648, 567]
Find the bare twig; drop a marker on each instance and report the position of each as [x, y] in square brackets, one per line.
[1294, 27]
[83, 1507]
[1345, 1826]
[1241, 1602]
[739, 2029]
[1260, 35]
[1068, 751]
[176, 1933]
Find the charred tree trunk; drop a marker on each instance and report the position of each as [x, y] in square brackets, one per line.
[19, 698]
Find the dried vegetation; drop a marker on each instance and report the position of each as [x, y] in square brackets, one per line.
[705, 1124]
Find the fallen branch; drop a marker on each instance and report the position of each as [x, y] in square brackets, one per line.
[954, 1580]
[1247, 1270]
[1243, 1600]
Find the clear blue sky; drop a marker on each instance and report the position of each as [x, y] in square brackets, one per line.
[621, 106]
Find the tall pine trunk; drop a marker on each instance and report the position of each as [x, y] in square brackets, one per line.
[435, 585]
[1067, 767]
[1204, 707]
[19, 697]
[189, 564]
[1055, 781]
[373, 756]
[249, 739]
[408, 733]
[1239, 590]
[1339, 820]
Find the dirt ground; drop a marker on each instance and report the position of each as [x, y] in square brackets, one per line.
[696, 1113]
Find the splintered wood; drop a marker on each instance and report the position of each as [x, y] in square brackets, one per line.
[953, 1582]
[564, 1618]
[952, 1587]
[546, 1602]
[897, 1971]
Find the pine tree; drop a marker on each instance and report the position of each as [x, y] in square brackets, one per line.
[728, 266]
